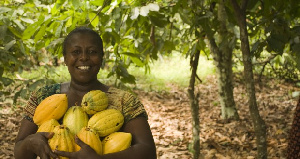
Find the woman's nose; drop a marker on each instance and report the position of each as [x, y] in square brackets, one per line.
[84, 55]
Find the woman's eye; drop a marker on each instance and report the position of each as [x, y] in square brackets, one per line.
[92, 52]
[75, 52]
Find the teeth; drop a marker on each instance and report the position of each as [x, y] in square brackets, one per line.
[83, 67]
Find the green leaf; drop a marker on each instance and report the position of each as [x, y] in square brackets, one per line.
[129, 79]
[69, 22]
[6, 81]
[76, 3]
[126, 77]
[55, 8]
[135, 58]
[257, 48]
[27, 20]
[55, 42]
[58, 30]
[93, 21]
[97, 2]
[21, 46]
[36, 84]
[158, 19]
[59, 51]
[52, 27]
[185, 18]
[42, 31]
[3, 30]
[111, 36]
[15, 32]
[275, 45]
[4, 9]
[18, 22]
[9, 45]
[169, 45]
[31, 29]
[137, 61]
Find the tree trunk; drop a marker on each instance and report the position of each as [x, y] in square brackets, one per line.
[194, 104]
[258, 122]
[222, 56]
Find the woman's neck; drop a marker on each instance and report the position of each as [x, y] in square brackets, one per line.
[84, 88]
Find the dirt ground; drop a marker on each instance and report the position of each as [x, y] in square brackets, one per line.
[170, 121]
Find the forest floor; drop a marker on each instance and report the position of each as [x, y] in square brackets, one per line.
[170, 121]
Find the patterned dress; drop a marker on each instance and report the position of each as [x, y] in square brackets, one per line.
[127, 103]
[293, 148]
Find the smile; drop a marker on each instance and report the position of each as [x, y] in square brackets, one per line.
[84, 67]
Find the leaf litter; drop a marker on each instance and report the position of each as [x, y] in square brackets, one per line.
[170, 121]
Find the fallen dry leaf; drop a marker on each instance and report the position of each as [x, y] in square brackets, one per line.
[170, 121]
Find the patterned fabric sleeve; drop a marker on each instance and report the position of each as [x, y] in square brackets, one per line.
[126, 102]
[36, 98]
[132, 107]
[293, 148]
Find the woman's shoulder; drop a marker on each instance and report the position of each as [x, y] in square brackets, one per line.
[113, 91]
[51, 88]
[47, 90]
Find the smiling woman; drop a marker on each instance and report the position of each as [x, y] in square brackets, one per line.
[83, 55]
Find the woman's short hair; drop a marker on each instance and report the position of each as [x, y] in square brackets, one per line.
[83, 29]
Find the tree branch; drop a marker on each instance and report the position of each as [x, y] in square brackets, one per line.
[105, 3]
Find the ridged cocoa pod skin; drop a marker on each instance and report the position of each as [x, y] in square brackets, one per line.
[75, 118]
[52, 107]
[94, 101]
[116, 142]
[106, 121]
[62, 140]
[90, 137]
[48, 126]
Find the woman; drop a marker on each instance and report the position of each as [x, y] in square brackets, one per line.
[83, 55]
[293, 148]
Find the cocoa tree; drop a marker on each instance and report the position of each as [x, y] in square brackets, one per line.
[194, 104]
[258, 122]
[222, 50]
[135, 32]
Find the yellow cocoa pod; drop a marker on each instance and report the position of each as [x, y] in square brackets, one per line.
[94, 101]
[48, 126]
[90, 137]
[116, 142]
[75, 119]
[52, 107]
[62, 140]
[106, 121]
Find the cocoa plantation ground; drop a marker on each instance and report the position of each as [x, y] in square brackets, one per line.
[170, 121]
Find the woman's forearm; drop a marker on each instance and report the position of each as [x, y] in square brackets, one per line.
[138, 151]
[22, 151]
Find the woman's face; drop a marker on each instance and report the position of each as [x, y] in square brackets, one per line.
[83, 57]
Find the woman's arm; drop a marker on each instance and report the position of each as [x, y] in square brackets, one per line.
[29, 144]
[142, 147]
[293, 148]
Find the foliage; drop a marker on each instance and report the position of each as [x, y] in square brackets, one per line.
[32, 32]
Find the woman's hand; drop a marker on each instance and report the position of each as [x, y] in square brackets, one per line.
[85, 152]
[38, 143]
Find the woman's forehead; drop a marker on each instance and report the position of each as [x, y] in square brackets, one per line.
[80, 35]
[79, 38]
